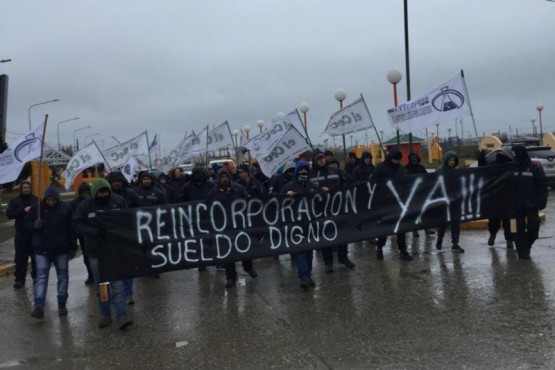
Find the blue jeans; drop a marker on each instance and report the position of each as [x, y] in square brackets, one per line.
[43, 263]
[304, 265]
[128, 287]
[117, 293]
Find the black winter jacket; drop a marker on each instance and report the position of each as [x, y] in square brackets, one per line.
[16, 210]
[56, 236]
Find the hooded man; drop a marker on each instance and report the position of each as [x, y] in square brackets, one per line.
[149, 195]
[279, 180]
[226, 190]
[302, 185]
[198, 187]
[102, 200]
[364, 169]
[53, 244]
[18, 208]
[391, 169]
[449, 164]
[531, 192]
[83, 192]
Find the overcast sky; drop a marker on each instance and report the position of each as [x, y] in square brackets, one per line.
[174, 66]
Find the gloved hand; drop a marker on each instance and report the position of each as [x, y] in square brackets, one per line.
[102, 233]
[71, 254]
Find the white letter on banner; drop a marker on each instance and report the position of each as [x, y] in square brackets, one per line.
[371, 188]
[404, 206]
[440, 184]
[156, 253]
[139, 216]
[160, 224]
[238, 211]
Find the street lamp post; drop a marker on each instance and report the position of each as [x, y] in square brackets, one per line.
[539, 107]
[34, 105]
[74, 132]
[260, 124]
[58, 128]
[340, 95]
[533, 120]
[394, 77]
[304, 108]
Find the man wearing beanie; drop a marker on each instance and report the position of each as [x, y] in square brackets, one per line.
[83, 192]
[53, 243]
[102, 200]
[17, 210]
[391, 169]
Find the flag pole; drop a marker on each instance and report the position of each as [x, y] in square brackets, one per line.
[469, 105]
[375, 129]
[148, 148]
[305, 130]
[39, 185]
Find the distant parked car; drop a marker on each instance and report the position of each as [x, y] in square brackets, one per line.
[541, 155]
[187, 168]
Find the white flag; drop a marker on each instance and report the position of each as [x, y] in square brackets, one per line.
[86, 157]
[195, 147]
[294, 120]
[289, 146]
[25, 149]
[445, 103]
[262, 143]
[219, 138]
[354, 117]
[129, 168]
[117, 155]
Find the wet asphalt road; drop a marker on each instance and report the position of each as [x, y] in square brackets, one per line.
[482, 310]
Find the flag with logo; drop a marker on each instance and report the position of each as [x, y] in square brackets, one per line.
[25, 149]
[352, 118]
[219, 138]
[447, 102]
[117, 155]
[195, 147]
[85, 158]
[289, 145]
[129, 168]
[294, 120]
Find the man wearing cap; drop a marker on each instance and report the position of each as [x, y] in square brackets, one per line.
[102, 200]
[391, 169]
[54, 243]
[18, 208]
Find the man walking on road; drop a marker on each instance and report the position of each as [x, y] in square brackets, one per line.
[17, 210]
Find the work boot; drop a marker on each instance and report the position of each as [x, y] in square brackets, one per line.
[89, 280]
[429, 232]
[230, 283]
[329, 268]
[62, 309]
[304, 285]
[379, 253]
[348, 263]
[457, 248]
[38, 313]
[510, 244]
[405, 256]
[18, 285]
[124, 322]
[252, 273]
[491, 240]
[104, 322]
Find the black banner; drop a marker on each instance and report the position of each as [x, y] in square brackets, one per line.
[150, 240]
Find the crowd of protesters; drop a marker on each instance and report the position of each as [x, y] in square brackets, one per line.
[48, 231]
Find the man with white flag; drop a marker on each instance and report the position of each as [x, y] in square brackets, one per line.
[352, 118]
[445, 103]
[289, 145]
[85, 158]
[25, 149]
[117, 155]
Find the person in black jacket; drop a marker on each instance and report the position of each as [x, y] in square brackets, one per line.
[413, 168]
[167, 190]
[391, 169]
[149, 195]
[83, 192]
[84, 220]
[301, 185]
[18, 208]
[327, 179]
[249, 182]
[530, 185]
[351, 163]
[54, 243]
[226, 190]
[279, 180]
[364, 169]
[177, 180]
[198, 187]
[503, 156]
